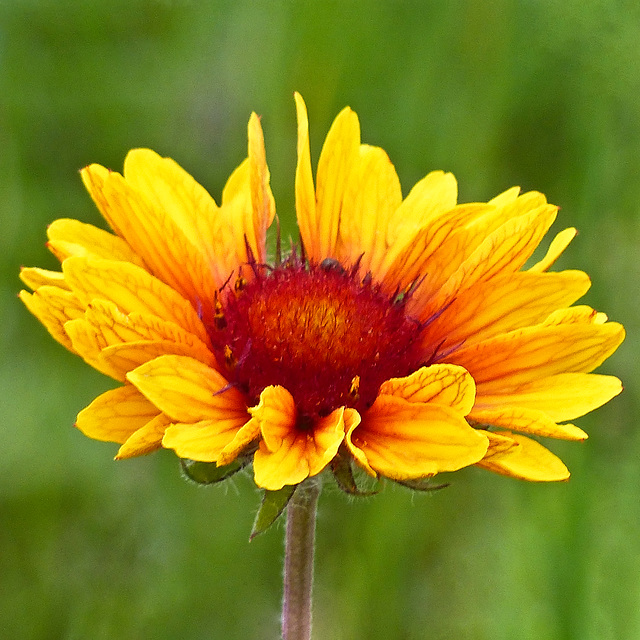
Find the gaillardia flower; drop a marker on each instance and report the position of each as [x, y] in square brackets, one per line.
[406, 335]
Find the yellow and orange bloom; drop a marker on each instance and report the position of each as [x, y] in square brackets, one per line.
[407, 335]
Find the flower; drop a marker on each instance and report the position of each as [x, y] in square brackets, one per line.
[403, 334]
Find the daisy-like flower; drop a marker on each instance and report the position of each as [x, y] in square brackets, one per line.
[403, 334]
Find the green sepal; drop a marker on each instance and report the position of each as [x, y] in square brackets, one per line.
[422, 484]
[209, 472]
[273, 504]
[342, 469]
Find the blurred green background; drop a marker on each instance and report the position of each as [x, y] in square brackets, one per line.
[542, 94]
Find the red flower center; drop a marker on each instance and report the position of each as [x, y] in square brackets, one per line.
[322, 332]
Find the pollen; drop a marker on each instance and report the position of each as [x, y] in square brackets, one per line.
[327, 335]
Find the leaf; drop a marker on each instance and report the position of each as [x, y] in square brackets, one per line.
[343, 473]
[273, 504]
[209, 472]
[422, 484]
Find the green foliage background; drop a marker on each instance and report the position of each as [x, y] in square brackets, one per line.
[542, 94]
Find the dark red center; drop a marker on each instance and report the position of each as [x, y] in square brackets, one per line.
[322, 332]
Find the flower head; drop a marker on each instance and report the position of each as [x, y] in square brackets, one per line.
[403, 334]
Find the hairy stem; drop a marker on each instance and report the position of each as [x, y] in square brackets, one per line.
[298, 561]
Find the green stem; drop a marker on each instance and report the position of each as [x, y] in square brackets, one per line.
[298, 561]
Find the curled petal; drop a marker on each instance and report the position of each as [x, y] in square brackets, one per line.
[69, 237]
[116, 414]
[403, 440]
[528, 461]
[443, 384]
[531, 421]
[54, 307]
[289, 452]
[203, 440]
[145, 440]
[131, 289]
[188, 390]
[35, 278]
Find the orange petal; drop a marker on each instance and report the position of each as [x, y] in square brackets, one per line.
[372, 196]
[433, 252]
[116, 414]
[564, 396]
[188, 391]
[69, 237]
[503, 304]
[510, 360]
[443, 384]
[528, 461]
[531, 421]
[288, 454]
[403, 440]
[132, 289]
[503, 251]
[145, 440]
[339, 153]
[54, 307]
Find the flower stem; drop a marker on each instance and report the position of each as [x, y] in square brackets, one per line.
[298, 561]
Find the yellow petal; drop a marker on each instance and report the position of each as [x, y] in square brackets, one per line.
[402, 440]
[153, 233]
[506, 197]
[54, 307]
[262, 202]
[94, 177]
[243, 438]
[512, 359]
[557, 246]
[498, 443]
[35, 277]
[528, 461]
[88, 343]
[503, 251]
[69, 237]
[288, 453]
[188, 390]
[175, 194]
[116, 414]
[339, 153]
[564, 396]
[443, 384]
[170, 189]
[580, 314]
[503, 304]
[434, 251]
[432, 196]
[145, 440]
[372, 196]
[127, 341]
[531, 421]
[305, 191]
[129, 355]
[132, 289]
[204, 440]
